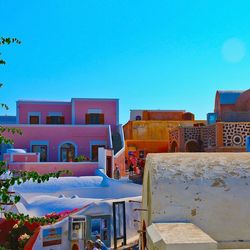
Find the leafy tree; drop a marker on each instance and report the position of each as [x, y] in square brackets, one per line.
[6, 41]
[17, 177]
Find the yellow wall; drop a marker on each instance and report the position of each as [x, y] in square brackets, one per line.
[151, 136]
[152, 130]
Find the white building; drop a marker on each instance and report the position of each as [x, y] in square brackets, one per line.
[209, 190]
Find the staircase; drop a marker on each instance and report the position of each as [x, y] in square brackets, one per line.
[117, 142]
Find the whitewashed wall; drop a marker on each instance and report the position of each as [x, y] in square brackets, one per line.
[211, 190]
[95, 209]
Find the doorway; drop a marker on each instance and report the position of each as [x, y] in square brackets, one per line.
[192, 146]
[94, 150]
[174, 147]
[67, 152]
[109, 166]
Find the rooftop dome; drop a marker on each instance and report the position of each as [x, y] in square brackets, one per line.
[229, 97]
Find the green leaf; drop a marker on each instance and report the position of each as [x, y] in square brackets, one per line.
[12, 181]
[5, 198]
[17, 199]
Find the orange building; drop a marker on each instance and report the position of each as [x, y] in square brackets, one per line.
[147, 131]
[227, 129]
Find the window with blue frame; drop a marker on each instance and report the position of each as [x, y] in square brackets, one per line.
[99, 226]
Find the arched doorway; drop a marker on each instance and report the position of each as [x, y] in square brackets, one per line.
[192, 146]
[174, 146]
[67, 152]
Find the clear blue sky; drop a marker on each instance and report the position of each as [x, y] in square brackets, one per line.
[150, 54]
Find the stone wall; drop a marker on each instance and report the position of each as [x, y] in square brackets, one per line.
[174, 135]
[234, 134]
[209, 136]
[193, 133]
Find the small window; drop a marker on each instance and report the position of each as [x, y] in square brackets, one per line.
[95, 227]
[94, 118]
[138, 118]
[55, 120]
[100, 226]
[34, 119]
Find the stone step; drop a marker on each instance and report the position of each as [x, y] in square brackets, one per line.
[178, 236]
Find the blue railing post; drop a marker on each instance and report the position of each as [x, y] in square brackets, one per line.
[248, 143]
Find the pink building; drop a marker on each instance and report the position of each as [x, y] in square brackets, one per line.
[63, 131]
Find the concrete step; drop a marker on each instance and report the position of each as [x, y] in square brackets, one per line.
[178, 236]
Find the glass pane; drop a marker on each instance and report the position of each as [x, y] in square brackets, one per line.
[105, 223]
[105, 235]
[34, 119]
[94, 118]
[95, 227]
[119, 220]
[64, 155]
[56, 120]
[67, 152]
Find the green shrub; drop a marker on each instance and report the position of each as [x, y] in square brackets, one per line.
[80, 158]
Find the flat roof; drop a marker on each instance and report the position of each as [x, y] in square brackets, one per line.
[66, 102]
[158, 110]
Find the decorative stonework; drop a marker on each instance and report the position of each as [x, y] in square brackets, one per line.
[204, 136]
[193, 133]
[174, 135]
[234, 134]
[209, 136]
